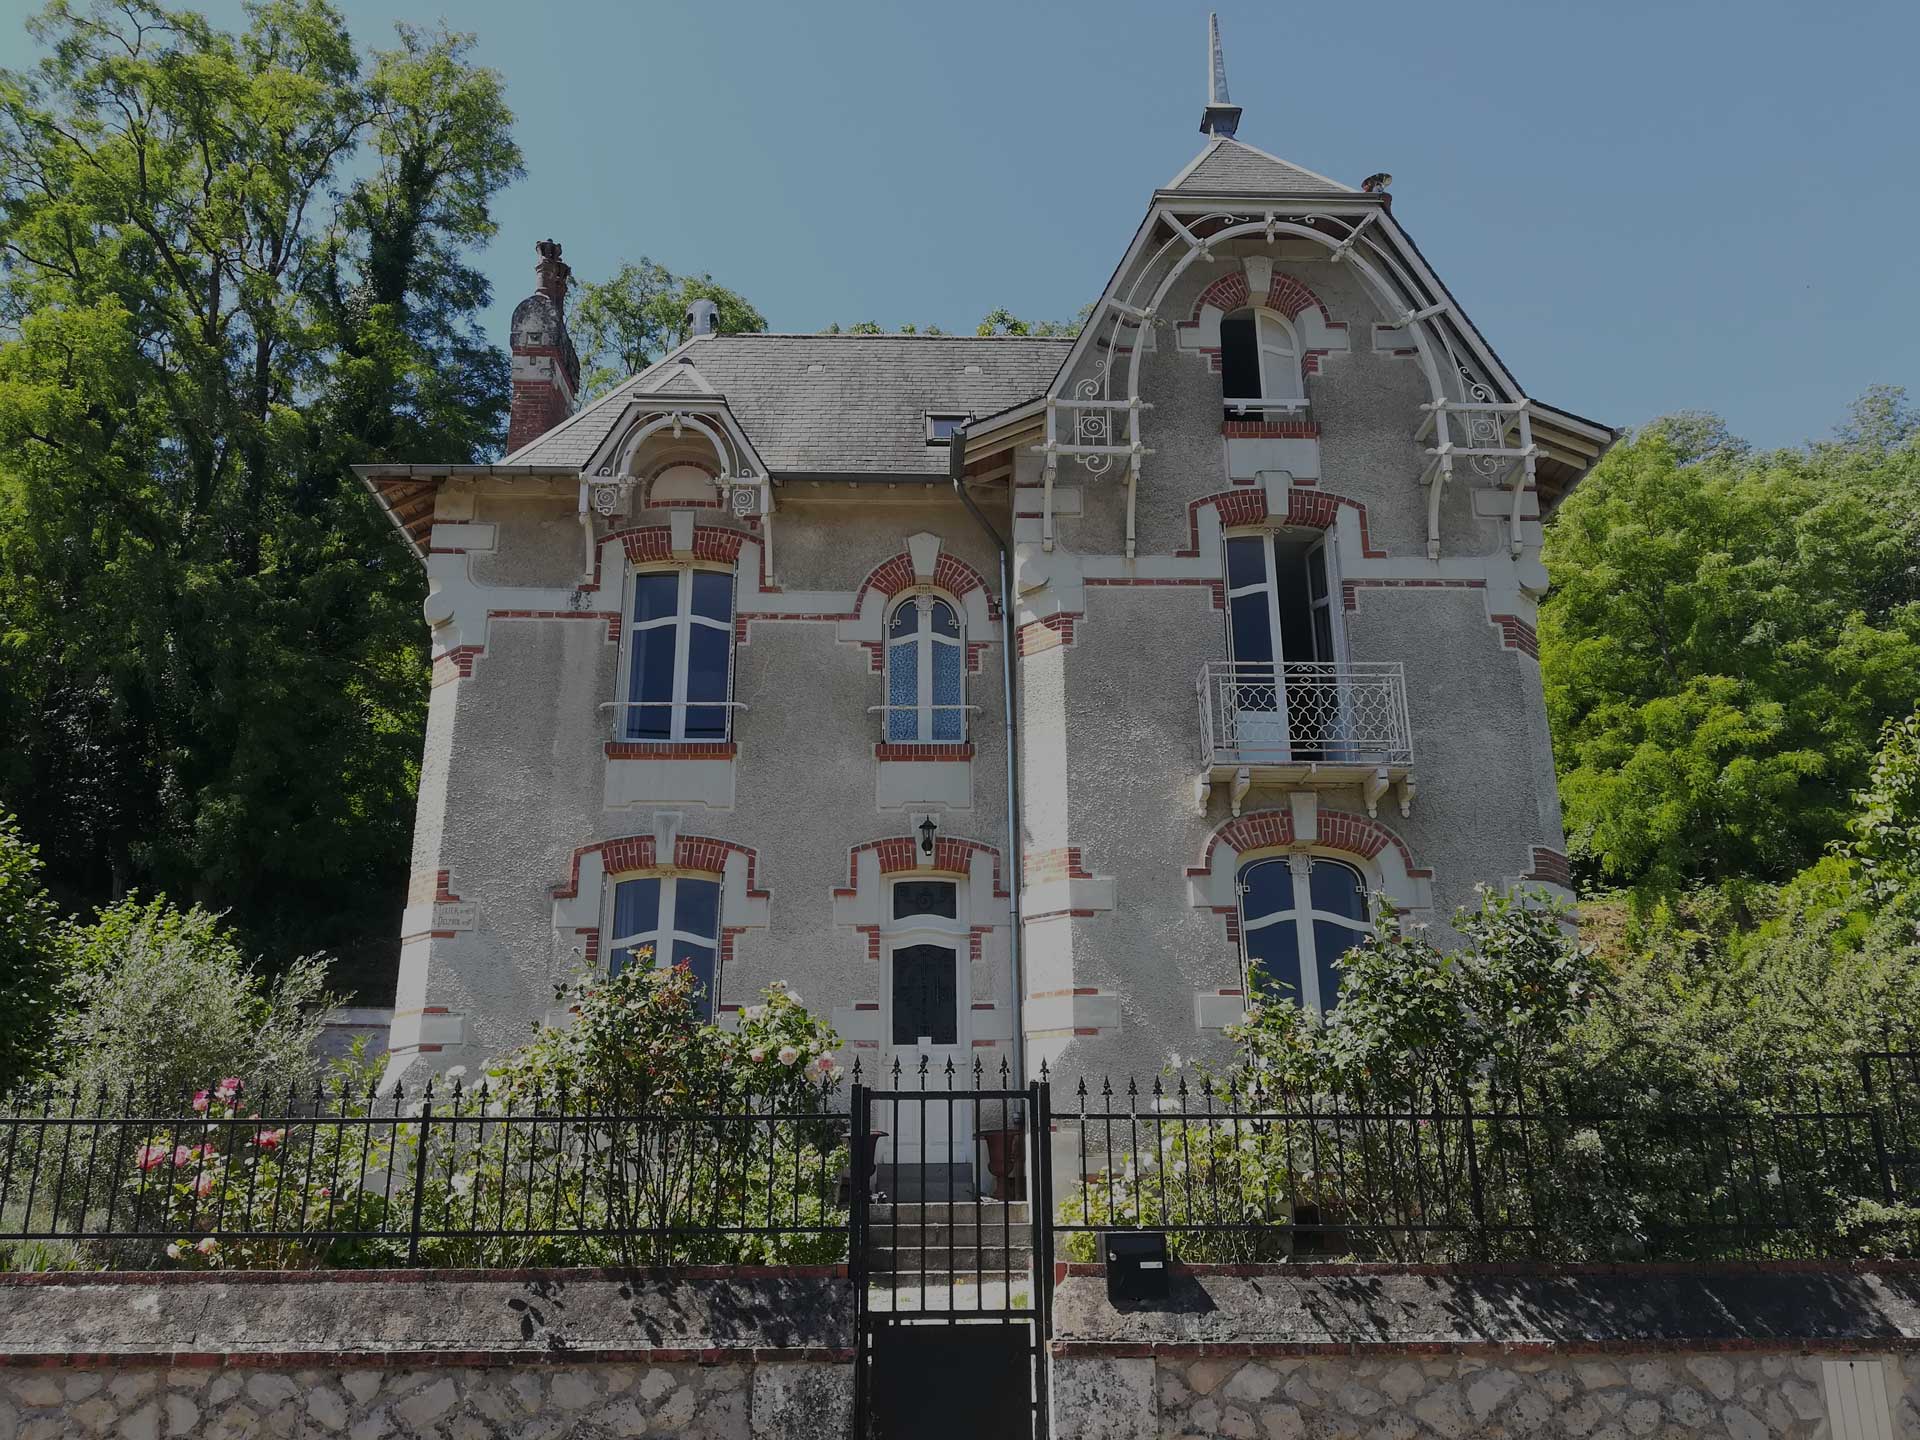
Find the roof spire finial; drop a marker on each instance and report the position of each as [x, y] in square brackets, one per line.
[1222, 116]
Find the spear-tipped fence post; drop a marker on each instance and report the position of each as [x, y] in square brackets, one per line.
[419, 1176]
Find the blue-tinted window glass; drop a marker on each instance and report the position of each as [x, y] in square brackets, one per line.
[1336, 889]
[943, 621]
[713, 595]
[1268, 887]
[948, 718]
[1275, 949]
[696, 907]
[636, 911]
[906, 620]
[656, 595]
[903, 689]
[1330, 942]
[698, 959]
[708, 651]
[652, 681]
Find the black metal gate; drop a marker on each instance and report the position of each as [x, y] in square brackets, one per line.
[952, 1260]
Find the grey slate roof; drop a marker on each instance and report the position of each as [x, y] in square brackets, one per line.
[1228, 167]
[829, 402]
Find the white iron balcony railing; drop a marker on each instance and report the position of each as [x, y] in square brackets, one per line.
[1306, 715]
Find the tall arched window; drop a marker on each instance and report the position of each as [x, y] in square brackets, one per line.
[666, 920]
[679, 656]
[1298, 915]
[1259, 360]
[926, 665]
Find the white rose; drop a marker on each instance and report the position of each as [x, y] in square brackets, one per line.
[756, 1055]
[788, 1054]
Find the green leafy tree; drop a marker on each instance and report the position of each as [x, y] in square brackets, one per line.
[165, 1002]
[29, 967]
[1725, 637]
[1886, 832]
[235, 263]
[624, 324]
[1002, 321]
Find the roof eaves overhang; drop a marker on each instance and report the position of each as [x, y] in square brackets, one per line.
[406, 492]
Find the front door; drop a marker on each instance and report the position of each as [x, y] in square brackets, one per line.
[924, 1030]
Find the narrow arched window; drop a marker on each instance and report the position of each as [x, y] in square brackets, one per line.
[1298, 915]
[1259, 361]
[926, 665]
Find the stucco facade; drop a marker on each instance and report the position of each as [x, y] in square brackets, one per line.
[1059, 512]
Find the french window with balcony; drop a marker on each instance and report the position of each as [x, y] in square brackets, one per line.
[668, 920]
[1298, 915]
[926, 673]
[679, 658]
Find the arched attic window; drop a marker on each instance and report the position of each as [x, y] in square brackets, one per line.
[683, 484]
[926, 669]
[1259, 361]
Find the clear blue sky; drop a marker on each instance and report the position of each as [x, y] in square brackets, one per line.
[1645, 206]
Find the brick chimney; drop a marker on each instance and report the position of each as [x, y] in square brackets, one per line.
[546, 371]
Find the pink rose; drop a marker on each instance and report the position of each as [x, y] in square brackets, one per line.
[271, 1140]
[183, 1155]
[208, 1246]
[200, 1100]
[203, 1187]
[227, 1089]
[149, 1157]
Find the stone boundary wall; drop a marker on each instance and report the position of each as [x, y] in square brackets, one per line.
[711, 1354]
[1363, 1352]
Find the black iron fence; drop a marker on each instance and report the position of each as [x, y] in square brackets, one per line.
[1237, 1169]
[937, 1179]
[450, 1176]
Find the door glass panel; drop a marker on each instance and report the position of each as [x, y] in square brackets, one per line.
[1336, 888]
[925, 996]
[1252, 629]
[1246, 562]
[713, 595]
[926, 897]
[656, 595]
[1275, 949]
[1317, 572]
[707, 656]
[1323, 634]
[653, 682]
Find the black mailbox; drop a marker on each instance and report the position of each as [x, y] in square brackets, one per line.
[1136, 1264]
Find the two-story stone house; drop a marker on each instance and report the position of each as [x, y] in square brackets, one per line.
[1006, 697]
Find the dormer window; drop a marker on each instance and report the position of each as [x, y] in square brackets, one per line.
[942, 424]
[1259, 365]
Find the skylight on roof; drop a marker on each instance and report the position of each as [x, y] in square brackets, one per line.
[941, 424]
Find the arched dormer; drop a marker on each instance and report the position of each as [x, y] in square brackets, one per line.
[1259, 361]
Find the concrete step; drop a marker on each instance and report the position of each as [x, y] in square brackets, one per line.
[990, 1264]
[941, 1212]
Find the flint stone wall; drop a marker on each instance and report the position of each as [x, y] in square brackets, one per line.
[1458, 1353]
[710, 1355]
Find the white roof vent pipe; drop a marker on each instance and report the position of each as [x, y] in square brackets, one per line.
[703, 318]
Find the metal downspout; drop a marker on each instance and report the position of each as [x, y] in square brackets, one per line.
[1016, 866]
